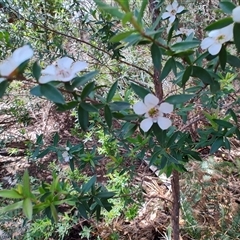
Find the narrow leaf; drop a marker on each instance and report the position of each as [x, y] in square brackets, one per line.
[170, 64]
[51, 93]
[139, 90]
[3, 87]
[112, 92]
[28, 208]
[219, 24]
[83, 118]
[108, 116]
[156, 56]
[178, 99]
[236, 35]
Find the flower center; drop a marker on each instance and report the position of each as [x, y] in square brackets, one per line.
[173, 12]
[153, 112]
[63, 73]
[221, 38]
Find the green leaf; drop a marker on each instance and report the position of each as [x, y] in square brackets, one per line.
[112, 92]
[233, 61]
[108, 116]
[186, 75]
[223, 57]
[3, 87]
[83, 118]
[113, 11]
[67, 106]
[88, 107]
[54, 212]
[156, 56]
[232, 114]
[80, 81]
[202, 74]
[56, 139]
[87, 186]
[216, 145]
[185, 45]
[11, 207]
[215, 87]
[120, 36]
[178, 99]
[170, 64]
[119, 106]
[139, 90]
[10, 194]
[219, 24]
[28, 208]
[87, 90]
[127, 18]
[124, 4]
[141, 12]
[26, 184]
[236, 35]
[227, 7]
[36, 69]
[223, 123]
[36, 91]
[51, 93]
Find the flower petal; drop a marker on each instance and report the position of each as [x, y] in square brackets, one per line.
[7, 67]
[49, 70]
[146, 124]
[166, 15]
[79, 66]
[22, 54]
[236, 14]
[64, 63]
[166, 107]
[151, 101]
[215, 48]
[140, 108]
[175, 5]
[207, 42]
[169, 8]
[164, 123]
[172, 19]
[47, 78]
[180, 9]
[214, 33]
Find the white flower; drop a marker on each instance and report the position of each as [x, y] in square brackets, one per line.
[236, 14]
[184, 31]
[153, 112]
[172, 10]
[9, 67]
[216, 38]
[66, 156]
[64, 70]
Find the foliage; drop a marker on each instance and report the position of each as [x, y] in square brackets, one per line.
[100, 99]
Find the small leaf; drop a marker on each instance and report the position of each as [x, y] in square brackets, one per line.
[3, 87]
[223, 123]
[36, 69]
[170, 64]
[223, 57]
[87, 186]
[112, 92]
[233, 61]
[219, 24]
[216, 145]
[139, 90]
[5, 193]
[156, 56]
[108, 116]
[186, 75]
[233, 115]
[113, 11]
[120, 36]
[80, 81]
[178, 99]
[202, 74]
[36, 91]
[11, 207]
[215, 87]
[236, 35]
[83, 118]
[185, 45]
[119, 106]
[28, 208]
[141, 12]
[51, 93]
[88, 107]
[26, 184]
[87, 90]
[227, 7]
